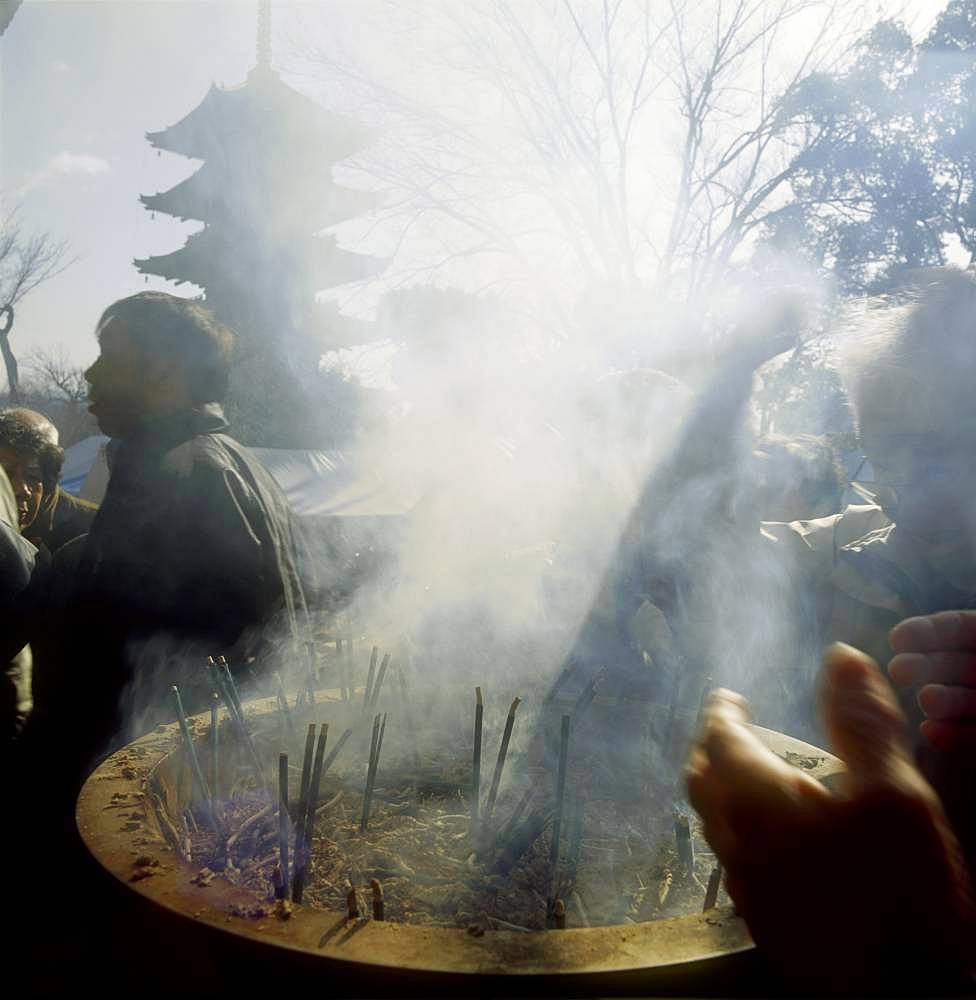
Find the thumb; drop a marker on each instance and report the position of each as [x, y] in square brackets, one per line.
[863, 719]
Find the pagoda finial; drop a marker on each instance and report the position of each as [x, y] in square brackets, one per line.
[264, 34]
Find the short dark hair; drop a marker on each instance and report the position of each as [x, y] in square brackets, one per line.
[25, 440]
[165, 326]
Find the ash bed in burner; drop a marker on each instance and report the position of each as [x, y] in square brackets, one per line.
[438, 861]
[450, 905]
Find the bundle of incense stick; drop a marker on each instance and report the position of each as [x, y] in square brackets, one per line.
[224, 682]
[306, 814]
[283, 823]
[306, 770]
[378, 686]
[374, 758]
[557, 820]
[500, 762]
[479, 713]
[370, 677]
[202, 787]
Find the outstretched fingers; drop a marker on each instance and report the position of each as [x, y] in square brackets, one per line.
[915, 669]
[941, 632]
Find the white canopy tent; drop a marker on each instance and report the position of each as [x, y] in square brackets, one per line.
[316, 483]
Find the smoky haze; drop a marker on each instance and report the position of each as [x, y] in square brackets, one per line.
[572, 208]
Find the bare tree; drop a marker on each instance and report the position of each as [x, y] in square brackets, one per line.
[629, 144]
[53, 375]
[26, 261]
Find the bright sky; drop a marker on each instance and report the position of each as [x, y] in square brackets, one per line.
[81, 82]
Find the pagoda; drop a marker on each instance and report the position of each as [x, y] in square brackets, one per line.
[267, 199]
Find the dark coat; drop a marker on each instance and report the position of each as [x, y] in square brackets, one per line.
[58, 522]
[191, 553]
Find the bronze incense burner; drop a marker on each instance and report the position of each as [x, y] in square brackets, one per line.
[129, 815]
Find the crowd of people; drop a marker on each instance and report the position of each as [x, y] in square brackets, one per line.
[192, 553]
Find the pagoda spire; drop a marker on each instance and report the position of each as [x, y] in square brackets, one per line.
[264, 35]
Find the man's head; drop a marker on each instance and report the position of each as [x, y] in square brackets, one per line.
[159, 354]
[37, 421]
[909, 373]
[31, 461]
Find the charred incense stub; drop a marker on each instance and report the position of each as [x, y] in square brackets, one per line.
[683, 841]
[664, 888]
[352, 902]
[711, 893]
[559, 914]
[374, 884]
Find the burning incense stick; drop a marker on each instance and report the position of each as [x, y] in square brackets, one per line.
[283, 706]
[214, 753]
[370, 677]
[201, 781]
[306, 768]
[379, 681]
[231, 686]
[683, 841]
[559, 684]
[376, 763]
[408, 715]
[557, 820]
[302, 809]
[283, 822]
[575, 837]
[378, 913]
[343, 679]
[310, 671]
[306, 818]
[711, 893]
[588, 693]
[500, 762]
[513, 820]
[369, 773]
[343, 739]
[237, 715]
[479, 713]
[559, 914]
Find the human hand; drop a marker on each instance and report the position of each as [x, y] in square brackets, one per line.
[937, 654]
[803, 862]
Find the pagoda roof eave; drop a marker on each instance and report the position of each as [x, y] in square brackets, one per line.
[205, 195]
[263, 105]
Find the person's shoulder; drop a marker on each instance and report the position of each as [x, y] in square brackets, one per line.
[78, 504]
[201, 454]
